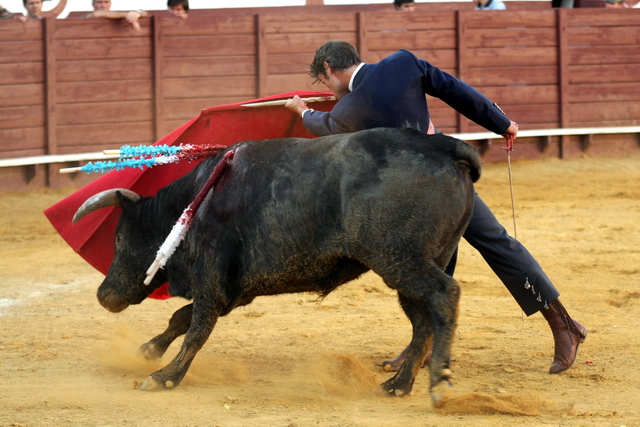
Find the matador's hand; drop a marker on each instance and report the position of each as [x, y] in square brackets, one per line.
[510, 135]
[296, 104]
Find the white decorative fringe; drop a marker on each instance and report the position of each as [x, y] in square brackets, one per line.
[170, 244]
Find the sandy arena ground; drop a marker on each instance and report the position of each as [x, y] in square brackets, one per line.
[294, 361]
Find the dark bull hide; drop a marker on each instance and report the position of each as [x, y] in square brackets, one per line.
[298, 215]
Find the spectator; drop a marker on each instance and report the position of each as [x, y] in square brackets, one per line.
[34, 10]
[404, 5]
[179, 8]
[101, 4]
[102, 9]
[490, 5]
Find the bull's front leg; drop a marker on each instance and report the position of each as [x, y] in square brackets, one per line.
[202, 323]
[178, 325]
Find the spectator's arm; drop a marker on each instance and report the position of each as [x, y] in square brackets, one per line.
[5, 14]
[131, 16]
[56, 10]
[20, 17]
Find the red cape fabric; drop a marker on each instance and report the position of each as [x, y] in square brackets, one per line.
[92, 237]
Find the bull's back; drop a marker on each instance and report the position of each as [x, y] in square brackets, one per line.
[435, 149]
[320, 198]
[404, 188]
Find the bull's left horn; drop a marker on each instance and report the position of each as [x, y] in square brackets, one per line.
[102, 200]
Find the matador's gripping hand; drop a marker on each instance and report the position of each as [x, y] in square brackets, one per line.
[510, 135]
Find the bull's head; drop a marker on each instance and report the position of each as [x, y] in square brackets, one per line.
[134, 250]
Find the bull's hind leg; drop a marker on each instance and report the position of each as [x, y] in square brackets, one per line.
[418, 314]
[178, 325]
[202, 323]
[429, 297]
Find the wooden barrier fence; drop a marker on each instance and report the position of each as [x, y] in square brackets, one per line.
[84, 85]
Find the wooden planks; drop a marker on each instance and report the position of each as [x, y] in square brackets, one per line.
[316, 23]
[182, 110]
[603, 56]
[109, 85]
[219, 24]
[23, 138]
[106, 48]
[22, 50]
[207, 66]
[206, 61]
[512, 37]
[104, 70]
[603, 73]
[507, 76]
[100, 29]
[21, 94]
[512, 56]
[13, 30]
[412, 40]
[390, 22]
[104, 91]
[487, 19]
[217, 45]
[102, 136]
[23, 114]
[198, 87]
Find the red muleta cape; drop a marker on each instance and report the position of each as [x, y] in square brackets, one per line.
[92, 237]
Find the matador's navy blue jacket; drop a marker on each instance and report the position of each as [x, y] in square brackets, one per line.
[391, 94]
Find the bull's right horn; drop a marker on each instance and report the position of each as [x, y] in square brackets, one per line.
[102, 200]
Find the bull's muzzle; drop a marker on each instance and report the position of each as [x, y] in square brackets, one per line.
[110, 300]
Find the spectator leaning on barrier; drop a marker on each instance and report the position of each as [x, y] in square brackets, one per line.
[404, 5]
[34, 11]
[102, 9]
[179, 8]
[490, 5]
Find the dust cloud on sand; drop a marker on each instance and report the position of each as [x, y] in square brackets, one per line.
[292, 360]
[483, 403]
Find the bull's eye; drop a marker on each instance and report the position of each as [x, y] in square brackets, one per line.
[118, 239]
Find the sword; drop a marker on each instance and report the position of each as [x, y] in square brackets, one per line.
[284, 101]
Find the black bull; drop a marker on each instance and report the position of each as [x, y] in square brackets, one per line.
[297, 215]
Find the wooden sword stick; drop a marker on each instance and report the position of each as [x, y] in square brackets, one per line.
[284, 101]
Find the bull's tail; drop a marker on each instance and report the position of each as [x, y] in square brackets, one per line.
[469, 157]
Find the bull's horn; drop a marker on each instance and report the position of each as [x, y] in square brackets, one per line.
[102, 200]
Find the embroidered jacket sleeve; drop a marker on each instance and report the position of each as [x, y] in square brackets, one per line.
[320, 123]
[391, 94]
[463, 98]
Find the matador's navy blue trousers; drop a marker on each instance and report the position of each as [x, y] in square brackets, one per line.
[509, 259]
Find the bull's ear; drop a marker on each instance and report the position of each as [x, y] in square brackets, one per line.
[126, 200]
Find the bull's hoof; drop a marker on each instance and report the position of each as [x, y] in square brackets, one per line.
[440, 392]
[394, 390]
[154, 384]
